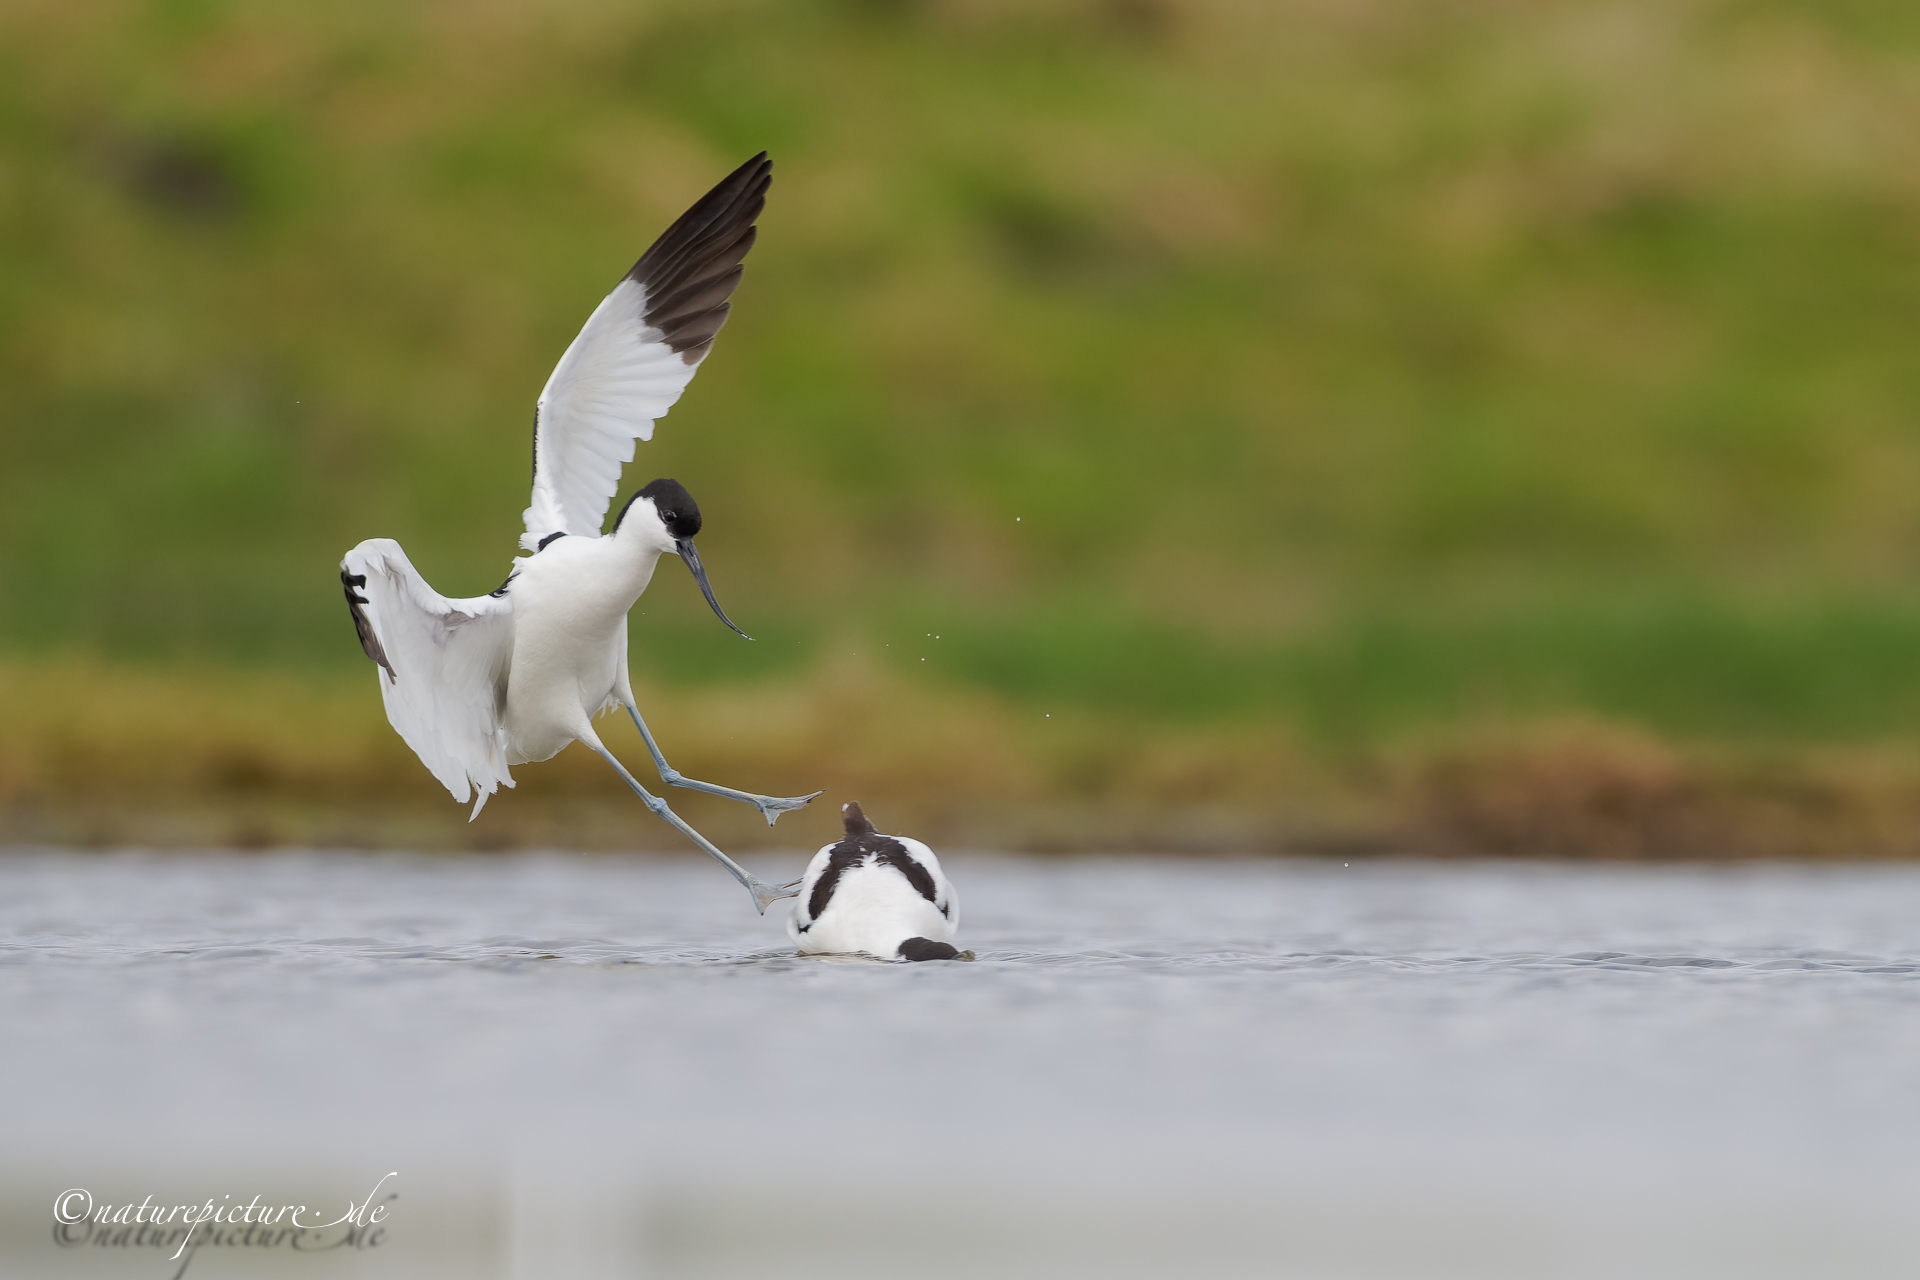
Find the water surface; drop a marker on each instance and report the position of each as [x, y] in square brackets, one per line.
[608, 1066]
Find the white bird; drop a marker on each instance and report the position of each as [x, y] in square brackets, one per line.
[881, 895]
[513, 676]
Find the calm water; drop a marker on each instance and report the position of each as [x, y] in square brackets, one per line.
[590, 1067]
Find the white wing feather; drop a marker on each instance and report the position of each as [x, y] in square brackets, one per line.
[616, 378]
[636, 354]
[443, 667]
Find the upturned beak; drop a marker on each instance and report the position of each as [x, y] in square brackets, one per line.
[692, 558]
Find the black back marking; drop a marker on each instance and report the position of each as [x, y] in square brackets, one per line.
[678, 511]
[842, 857]
[544, 541]
[897, 857]
[861, 843]
[362, 625]
[928, 949]
[691, 270]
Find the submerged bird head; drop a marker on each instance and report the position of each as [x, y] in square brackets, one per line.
[667, 517]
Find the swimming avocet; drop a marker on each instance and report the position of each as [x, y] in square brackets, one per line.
[881, 895]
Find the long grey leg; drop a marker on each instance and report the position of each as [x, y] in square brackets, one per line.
[769, 806]
[763, 893]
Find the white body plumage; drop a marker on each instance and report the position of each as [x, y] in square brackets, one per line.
[518, 674]
[880, 895]
[475, 685]
[479, 684]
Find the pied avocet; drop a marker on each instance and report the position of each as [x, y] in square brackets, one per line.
[513, 676]
[879, 895]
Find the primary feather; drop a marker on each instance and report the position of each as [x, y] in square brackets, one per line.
[444, 666]
[636, 354]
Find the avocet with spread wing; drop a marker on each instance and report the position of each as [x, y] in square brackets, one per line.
[513, 676]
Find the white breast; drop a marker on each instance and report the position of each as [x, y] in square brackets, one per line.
[571, 602]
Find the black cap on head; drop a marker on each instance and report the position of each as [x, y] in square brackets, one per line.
[856, 821]
[676, 506]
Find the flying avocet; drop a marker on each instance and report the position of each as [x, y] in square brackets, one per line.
[515, 675]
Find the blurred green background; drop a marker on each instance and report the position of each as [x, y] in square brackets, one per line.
[1301, 382]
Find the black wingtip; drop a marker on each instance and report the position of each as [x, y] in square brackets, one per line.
[693, 268]
[928, 949]
[363, 627]
[856, 821]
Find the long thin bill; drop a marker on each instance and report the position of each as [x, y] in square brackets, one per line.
[692, 558]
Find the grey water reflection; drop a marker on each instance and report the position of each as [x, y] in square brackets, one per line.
[608, 1066]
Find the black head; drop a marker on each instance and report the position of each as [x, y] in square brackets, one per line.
[681, 516]
[676, 506]
[855, 820]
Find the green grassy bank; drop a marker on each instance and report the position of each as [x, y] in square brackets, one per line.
[1483, 741]
[1275, 410]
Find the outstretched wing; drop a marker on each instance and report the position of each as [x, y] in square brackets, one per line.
[636, 354]
[443, 666]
